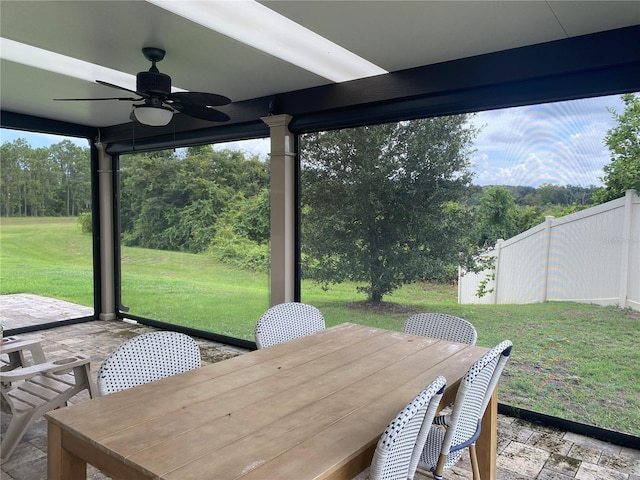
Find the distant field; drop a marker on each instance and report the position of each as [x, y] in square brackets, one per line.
[570, 360]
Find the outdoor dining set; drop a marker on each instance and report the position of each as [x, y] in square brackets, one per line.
[346, 402]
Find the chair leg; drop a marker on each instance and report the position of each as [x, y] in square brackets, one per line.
[83, 377]
[439, 471]
[17, 426]
[474, 461]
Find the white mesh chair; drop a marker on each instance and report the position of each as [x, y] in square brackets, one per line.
[404, 437]
[287, 321]
[145, 358]
[441, 325]
[452, 433]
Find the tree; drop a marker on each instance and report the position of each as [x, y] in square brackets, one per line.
[380, 203]
[549, 194]
[242, 235]
[623, 173]
[528, 216]
[497, 216]
[47, 181]
[172, 202]
[13, 158]
[71, 163]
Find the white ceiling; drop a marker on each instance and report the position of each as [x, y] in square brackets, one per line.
[395, 35]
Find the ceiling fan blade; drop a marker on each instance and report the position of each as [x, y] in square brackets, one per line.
[198, 99]
[155, 88]
[203, 113]
[107, 84]
[129, 99]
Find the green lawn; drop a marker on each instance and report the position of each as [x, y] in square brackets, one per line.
[569, 360]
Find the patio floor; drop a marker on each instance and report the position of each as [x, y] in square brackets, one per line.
[526, 451]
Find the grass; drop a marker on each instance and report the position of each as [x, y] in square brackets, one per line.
[573, 361]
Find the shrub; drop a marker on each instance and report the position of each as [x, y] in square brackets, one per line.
[235, 250]
[85, 221]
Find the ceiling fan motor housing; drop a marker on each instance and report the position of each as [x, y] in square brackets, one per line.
[153, 83]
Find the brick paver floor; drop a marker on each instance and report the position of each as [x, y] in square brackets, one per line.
[525, 451]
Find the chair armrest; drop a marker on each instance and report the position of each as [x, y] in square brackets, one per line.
[57, 366]
[8, 340]
[16, 344]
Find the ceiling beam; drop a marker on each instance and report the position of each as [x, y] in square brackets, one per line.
[591, 65]
[30, 123]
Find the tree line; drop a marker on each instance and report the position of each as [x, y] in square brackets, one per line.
[202, 200]
[44, 182]
[381, 205]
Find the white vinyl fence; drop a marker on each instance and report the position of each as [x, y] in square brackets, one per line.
[592, 256]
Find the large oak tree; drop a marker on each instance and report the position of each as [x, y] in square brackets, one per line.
[380, 203]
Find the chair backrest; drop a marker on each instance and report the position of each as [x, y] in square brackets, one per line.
[474, 393]
[145, 358]
[441, 325]
[287, 321]
[405, 436]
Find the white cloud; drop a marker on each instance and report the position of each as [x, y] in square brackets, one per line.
[560, 143]
[260, 147]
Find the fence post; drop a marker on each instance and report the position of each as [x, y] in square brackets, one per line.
[626, 249]
[547, 255]
[495, 272]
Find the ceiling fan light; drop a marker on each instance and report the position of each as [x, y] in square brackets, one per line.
[153, 116]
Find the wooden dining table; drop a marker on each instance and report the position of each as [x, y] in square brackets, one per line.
[310, 408]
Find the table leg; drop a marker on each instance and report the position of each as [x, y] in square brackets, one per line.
[61, 464]
[487, 444]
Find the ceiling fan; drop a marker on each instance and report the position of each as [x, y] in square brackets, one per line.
[158, 103]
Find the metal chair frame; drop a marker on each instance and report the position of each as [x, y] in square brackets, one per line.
[461, 428]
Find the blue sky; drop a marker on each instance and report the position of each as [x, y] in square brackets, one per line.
[37, 140]
[559, 143]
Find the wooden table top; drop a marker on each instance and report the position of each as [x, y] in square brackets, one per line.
[310, 408]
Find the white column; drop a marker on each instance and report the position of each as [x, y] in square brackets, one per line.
[283, 209]
[105, 211]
